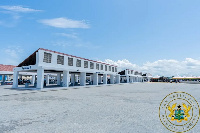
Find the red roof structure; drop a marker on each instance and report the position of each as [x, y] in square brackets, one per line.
[31, 60]
[6, 67]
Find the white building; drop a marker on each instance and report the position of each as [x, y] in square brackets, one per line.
[147, 77]
[6, 72]
[66, 67]
[129, 76]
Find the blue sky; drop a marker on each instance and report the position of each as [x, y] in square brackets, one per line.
[146, 34]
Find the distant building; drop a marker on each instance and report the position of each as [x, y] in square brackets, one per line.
[147, 77]
[6, 74]
[129, 76]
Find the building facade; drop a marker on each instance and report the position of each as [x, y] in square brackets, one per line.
[130, 76]
[67, 68]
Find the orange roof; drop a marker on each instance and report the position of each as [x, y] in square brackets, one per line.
[6, 67]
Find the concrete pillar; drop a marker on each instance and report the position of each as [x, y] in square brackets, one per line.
[15, 79]
[95, 78]
[90, 78]
[99, 79]
[8, 77]
[73, 79]
[76, 78]
[117, 79]
[127, 78]
[104, 78]
[58, 78]
[123, 79]
[82, 78]
[33, 79]
[3, 78]
[47, 79]
[40, 78]
[65, 78]
[131, 79]
[112, 79]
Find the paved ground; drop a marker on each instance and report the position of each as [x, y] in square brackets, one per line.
[126, 108]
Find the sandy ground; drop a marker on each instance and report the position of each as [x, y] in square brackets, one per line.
[125, 108]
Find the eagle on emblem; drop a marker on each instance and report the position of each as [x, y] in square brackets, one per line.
[179, 114]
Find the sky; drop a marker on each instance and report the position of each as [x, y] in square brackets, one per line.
[160, 37]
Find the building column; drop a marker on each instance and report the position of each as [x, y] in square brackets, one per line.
[58, 78]
[33, 79]
[117, 79]
[123, 79]
[47, 79]
[15, 79]
[82, 78]
[73, 79]
[76, 78]
[99, 79]
[40, 78]
[3, 78]
[95, 78]
[104, 78]
[127, 79]
[66, 78]
[111, 79]
[90, 78]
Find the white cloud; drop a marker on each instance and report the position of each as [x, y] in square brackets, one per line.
[11, 55]
[73, 35]
[14, 14]
[186, 67]
[74, 44]
[64, 23]
[18, 9]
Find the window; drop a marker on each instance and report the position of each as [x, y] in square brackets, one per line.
[105, 67]
[85, 64]
[128, 72]
[78, 63]
[97, 66]
[101, 67]
[70, 61]
[112, 69]
[115, 69]
[109, 68]
[60, 60]
[47, 57]
[91, 65]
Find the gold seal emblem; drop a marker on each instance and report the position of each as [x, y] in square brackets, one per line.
[179, 112]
